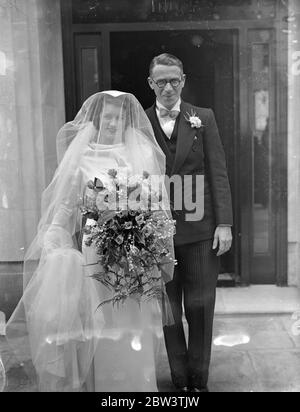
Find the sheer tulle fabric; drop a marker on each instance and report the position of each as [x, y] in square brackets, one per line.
[57, 326]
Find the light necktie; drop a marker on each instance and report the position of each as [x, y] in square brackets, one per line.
[172, 114]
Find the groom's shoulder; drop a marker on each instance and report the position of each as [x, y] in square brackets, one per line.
[203, 111]
[149, 109]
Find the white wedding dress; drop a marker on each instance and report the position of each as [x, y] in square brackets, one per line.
[124, 360]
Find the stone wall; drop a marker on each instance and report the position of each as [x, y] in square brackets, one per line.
[294, 144]
[31, 112]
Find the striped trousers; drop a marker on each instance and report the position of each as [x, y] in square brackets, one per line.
[194, 285]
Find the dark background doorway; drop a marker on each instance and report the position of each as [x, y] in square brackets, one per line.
[236, 64]
[208, 58]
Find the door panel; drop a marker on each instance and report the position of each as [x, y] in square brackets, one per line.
[89, 78]
[262, 179]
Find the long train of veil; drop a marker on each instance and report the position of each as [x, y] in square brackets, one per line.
[56, 325]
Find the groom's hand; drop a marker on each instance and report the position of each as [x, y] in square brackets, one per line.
[223, 238]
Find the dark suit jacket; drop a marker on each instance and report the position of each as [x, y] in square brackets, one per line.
[198, 152]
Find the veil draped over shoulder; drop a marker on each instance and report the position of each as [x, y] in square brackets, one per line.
[56, 325]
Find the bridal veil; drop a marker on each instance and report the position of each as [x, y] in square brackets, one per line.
[56, 324]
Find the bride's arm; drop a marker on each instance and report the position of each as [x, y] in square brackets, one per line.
[65, 215]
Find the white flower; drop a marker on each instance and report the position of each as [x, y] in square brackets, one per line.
[102, 202]
[122, 179]
[135, 180]
[194, 120]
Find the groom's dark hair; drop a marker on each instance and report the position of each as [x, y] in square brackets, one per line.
[165, 59]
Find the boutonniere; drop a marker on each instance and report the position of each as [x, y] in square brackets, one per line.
[194, 120]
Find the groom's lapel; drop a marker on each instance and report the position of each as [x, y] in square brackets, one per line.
[159, 136]
[185, 138]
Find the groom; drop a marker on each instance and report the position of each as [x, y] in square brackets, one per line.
[191, 151]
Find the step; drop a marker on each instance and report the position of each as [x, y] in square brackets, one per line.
[257, 299]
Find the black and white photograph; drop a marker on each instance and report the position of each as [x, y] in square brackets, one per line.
[149, 198]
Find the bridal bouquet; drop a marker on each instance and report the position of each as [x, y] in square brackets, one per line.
[131, 235]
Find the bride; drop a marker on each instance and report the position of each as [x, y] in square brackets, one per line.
[58, 326]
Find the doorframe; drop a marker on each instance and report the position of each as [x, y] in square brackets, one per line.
[282, 149]
[242, 135]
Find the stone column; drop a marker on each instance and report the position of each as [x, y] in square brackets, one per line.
[31, 112]
[294, 143]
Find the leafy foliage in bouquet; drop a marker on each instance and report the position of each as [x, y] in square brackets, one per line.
[133, 244]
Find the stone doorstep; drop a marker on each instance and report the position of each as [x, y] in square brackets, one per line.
[257, 299]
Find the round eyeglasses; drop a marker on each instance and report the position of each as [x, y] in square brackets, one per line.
[162, 83]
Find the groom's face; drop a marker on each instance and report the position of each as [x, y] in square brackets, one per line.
[167, 95]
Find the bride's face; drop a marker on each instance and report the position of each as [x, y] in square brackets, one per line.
[110, 124]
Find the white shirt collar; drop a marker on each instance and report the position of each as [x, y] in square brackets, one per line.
[175, 107]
